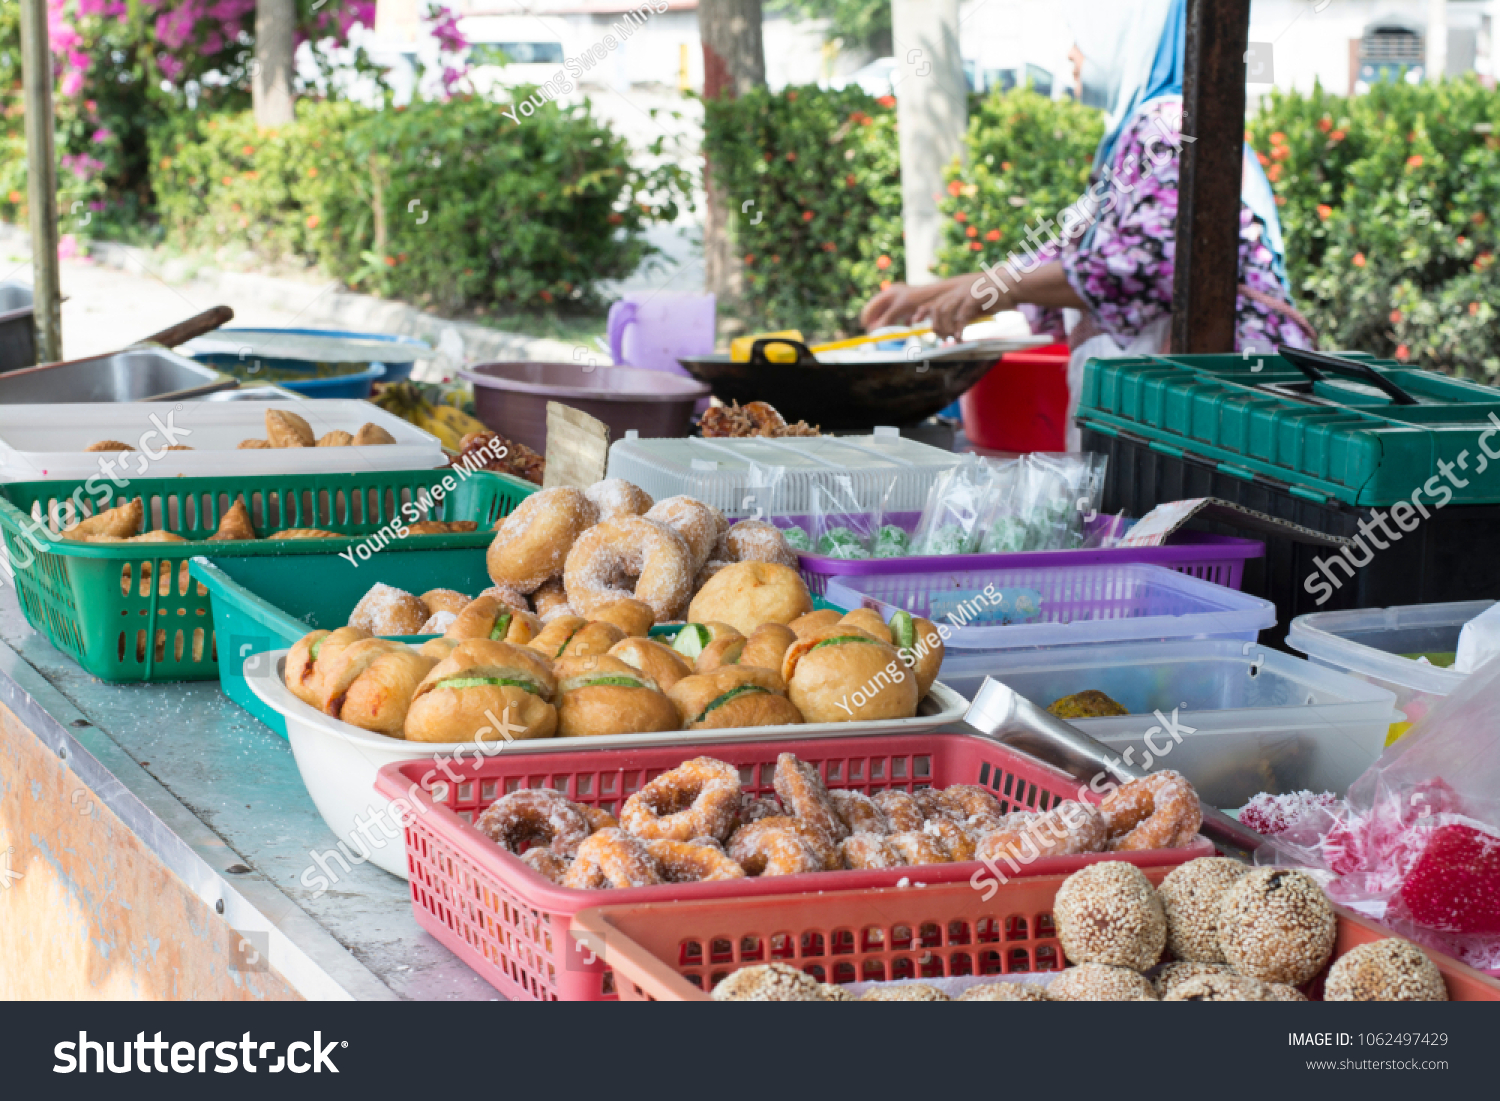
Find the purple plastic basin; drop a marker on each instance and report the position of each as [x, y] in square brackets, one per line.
[512, 398]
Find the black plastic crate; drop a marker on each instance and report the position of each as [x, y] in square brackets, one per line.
[1450, 556]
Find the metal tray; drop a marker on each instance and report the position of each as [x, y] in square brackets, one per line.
[256, 393]
[145, 372]
[17, 327]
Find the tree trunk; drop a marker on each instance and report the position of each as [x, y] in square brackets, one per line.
[734, 61]
[271, 75]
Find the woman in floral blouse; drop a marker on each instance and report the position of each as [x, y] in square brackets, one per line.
[1102, 276]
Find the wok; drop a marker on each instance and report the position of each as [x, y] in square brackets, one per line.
[848, 395]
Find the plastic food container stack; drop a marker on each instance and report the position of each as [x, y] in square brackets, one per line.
[718, 471]
[1236, 720]
[1373, 645]
[1058, 606]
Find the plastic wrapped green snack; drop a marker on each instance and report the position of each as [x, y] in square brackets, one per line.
[797, 539]
[892, 542]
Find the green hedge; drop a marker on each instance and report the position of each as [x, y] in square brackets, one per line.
[822, 172]
[448, 204]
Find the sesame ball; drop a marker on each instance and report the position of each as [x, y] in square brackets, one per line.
[1276, 925]
[832, 992]
[1223, 987]
[1109, 913]
[769, 982]
[905, 992]
[1390, 970]
[1174, 975]
[1281, 992]
[1095, 982]
[1190, 899]
[1006, 992]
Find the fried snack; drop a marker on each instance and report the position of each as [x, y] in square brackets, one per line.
[1389, 970]
[310, 655]
[555, 636]
[869, 621]
[864, 851]
[1097, 982]
[801, 790]
[844, 675]
[487, 617]
[1225, 987]
[748, 594]
[122, 521]
[615, 497]
[954, 838]
[506, 595]
[756, 418]
[1161, 811]
[904, 812]
[699, 798]
[767, 646]
[372, 435]
[305, 533]
[774, 846]
[1190, 897]
[547, 864]
[1006, 992]
[536, 817]
[753, 808]
[770, 982]
[693, 861]
[721, 652]
[612, 858]
[699, 525]
[442, 527]
[905, 992]
[532, 543]
[756, 541]
[599, 818]
[437, 623]
[370, 684]
[109, 445]
[594, 639]
[1091, 704]
[253, 445]
[389, 611]
[1066, 830]
[661, 664]
[814, 622]
[285, 429]
[920, 645]
[337, 438]
[146, 537]
[631, 557]
[916, 847]
[599, 695]
[1173, 975]
[550, 600]
[1108, 913]
[234, 524]
[445, 600]
[632, 616]
[736, 695]
[439, 648]
[490, 691]
[859, 812]
[1277, 926]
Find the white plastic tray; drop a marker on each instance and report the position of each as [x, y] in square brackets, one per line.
[338, 761]
[49, 441]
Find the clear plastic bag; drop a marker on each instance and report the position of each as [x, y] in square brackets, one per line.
[891, 540]
[765, 499]
[843, 526]
[950, 522]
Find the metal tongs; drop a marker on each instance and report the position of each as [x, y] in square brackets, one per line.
[999, 714]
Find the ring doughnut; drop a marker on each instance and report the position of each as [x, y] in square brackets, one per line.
[914, 847]
[612, 858]
[615, 497]
[693, 861]
[954, 838]
[599, 818]
[970, 801]
[611, 555]
[866, 850]
[699, 524]
[700, 798]
[817, 840]
[547, 863]
[753, 808]
[859, 812]
[1160, 811]
[802, 792]
[929, 802]
[532, 543]
[537, 817]
[550, 600]
[769, 847]
[1066, 830]
[903, 811]
[757, 541]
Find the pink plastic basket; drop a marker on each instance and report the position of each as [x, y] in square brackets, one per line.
[510, 924]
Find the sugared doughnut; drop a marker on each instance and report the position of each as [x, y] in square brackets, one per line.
[901, 808]
[1067, 829]
[386, 611]
[905, 992]
[631, 557]
[1173, 975]
[916, 847]
[444, 600]
[954, 838]
[753, 808]
[970, 802]
[1006, 992]
[769, 982]
[700, 798]
[1108, 913]
[532, 543]
[699, 525]
[632, 616]
[612, 858]
[616, 497]
[1224, 987]
[1161, 811]
[1190, 897]
[1276, 925]
[747, 594]
[802, 791]
[547, 863]
[693, 861]
[1097, 982]
[770, 847]
[550, 601]
[536, 817]
[867, 850]
[1389, 970]
[817, 839]
[598, 818]
[757, 541]
[859, 813]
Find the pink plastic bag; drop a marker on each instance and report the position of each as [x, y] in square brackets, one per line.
[1416, 841]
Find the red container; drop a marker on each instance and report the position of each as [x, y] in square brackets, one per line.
[1022, 404]
[511, 925]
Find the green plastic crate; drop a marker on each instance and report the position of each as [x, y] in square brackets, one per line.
[1364, 450]
[128, 613]
[263, 604]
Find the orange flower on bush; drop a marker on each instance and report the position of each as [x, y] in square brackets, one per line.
[1414, 161]
[1265, 161]
[749, 257]
[1473, 309]
[312, 221]
[249, 150]
[1337, 135]
[972, 231]
[975, 246]
[887, 101]
[1403, 353]
[1281, 152]
[807, 215]
[1325, 211]
[14, 196]
[1278, 138]
[312, 173]
[1005, 166]
[882, 262]
[885, 284]
[1478, 218]
[1484, 261]
[849, 180]
[955, 188]
[992, 235]
[960, 217]
[1273, 173]
[791, 97]
[1395, 317]
[791, 157]
[1325, 124]
[1359, 259]
[546, 296]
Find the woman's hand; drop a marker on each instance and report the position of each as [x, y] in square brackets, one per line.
[896, 305]
[956, 308]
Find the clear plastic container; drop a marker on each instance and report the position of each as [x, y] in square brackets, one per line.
[1051, 606]
[1371, 643]
[717, 471]
[1261, 720]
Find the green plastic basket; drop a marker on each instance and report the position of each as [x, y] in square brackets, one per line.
[262, 604]
[128, 613]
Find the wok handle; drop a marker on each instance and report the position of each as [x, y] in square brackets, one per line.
[758, 350]
[1002, 715]
[197, 325]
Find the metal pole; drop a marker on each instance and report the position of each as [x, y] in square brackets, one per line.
[1206, 282]
[41, 179]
